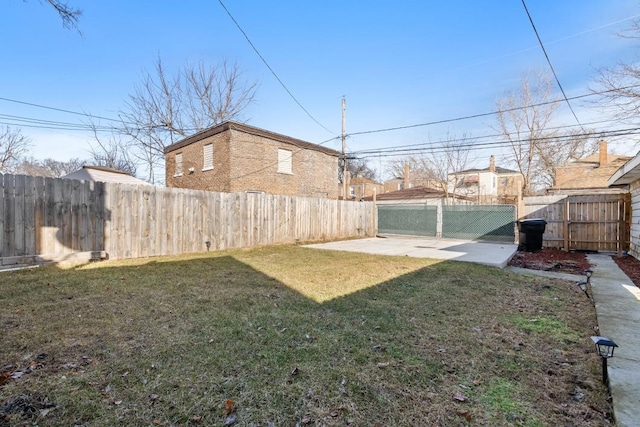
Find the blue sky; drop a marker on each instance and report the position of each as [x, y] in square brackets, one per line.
[397, 63]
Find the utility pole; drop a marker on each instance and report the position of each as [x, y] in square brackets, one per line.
[344, 149]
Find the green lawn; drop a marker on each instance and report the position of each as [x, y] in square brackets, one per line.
[295, 336]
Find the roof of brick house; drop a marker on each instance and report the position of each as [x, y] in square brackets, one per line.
[229, 125]
[412, 193]
[591, 172]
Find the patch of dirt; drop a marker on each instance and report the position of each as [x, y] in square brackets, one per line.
[552, 260]
[630, 266]
[571, 262]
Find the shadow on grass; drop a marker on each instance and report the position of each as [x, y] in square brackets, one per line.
[386, 340]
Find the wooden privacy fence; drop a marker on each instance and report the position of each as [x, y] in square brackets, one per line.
[47, 219]
[592, 223]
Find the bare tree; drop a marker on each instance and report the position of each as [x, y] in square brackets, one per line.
[360, 169]
[523, 120]
[13, 146]
[443, 161]
[618, 86]
[112, 152]
[433, 168]
[557, 152]
[166, 108]
[68, 14]
[49, 167]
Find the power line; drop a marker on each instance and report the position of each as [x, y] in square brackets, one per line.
[58, 109]
[490, 113]
[535, 30]
[464, 138]
[264, 61]
[492, 144]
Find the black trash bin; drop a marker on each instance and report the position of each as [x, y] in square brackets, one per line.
[533, 230]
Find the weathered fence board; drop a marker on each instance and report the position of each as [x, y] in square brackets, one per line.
[54, 219]
[591, 222]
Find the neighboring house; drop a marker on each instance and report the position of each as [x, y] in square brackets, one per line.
[627, 177]
[419, 195]
[358, 188]
[488, 186]
[102, 174]
[233, 157]
[589, 175]
[410, 180]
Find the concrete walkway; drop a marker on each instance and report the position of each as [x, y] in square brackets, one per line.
[487, 253]
[618, 308]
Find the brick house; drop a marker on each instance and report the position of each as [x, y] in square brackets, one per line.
[489, 185]
[589, 175]
[233, 157]
[419, 195]
[360, 187]
[410, 179]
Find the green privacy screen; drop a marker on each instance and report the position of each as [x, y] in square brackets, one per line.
[469, 222]
[418, 220]
[473, 222]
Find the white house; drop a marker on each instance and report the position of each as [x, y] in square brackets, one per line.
[102, 174]
[490, 185]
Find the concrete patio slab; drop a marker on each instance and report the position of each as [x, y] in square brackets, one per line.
[486, 253]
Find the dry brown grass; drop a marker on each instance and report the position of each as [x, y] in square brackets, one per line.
[296, 336]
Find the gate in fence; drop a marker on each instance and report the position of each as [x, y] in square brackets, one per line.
[599, 222]
[469, 222]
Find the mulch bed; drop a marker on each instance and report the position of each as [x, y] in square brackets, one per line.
[552, 260]
[630, 266]
[571, 262]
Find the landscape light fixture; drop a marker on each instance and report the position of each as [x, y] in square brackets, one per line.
[208, 243]
[584, 285]
[583, 288]
[604, 347]
[588, 272]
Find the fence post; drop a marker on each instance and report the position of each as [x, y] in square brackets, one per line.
[439, 220]
[565, 223]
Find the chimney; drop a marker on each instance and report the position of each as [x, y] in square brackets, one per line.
[603, 153]
[492, 163]
[406, 176]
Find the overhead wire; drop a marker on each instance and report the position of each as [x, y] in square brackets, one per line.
[464, 138]
[546, 55]
[494, 144]
[264, 61]
[58, 109]
[46, 124]
[490, 113]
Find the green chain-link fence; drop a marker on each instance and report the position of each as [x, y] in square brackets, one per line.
[473, 222]
[416, 220]
[468, 222]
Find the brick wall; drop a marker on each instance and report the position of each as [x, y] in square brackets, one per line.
[566, 174]
[247, 162]
[216, 179]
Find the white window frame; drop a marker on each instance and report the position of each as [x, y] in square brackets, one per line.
[285, 161]
[178, 164]
[352, 191]
[207, 157]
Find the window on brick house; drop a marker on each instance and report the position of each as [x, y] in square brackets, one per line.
[178, 164]
[207, 153]
[352, 191]
[285, 158]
